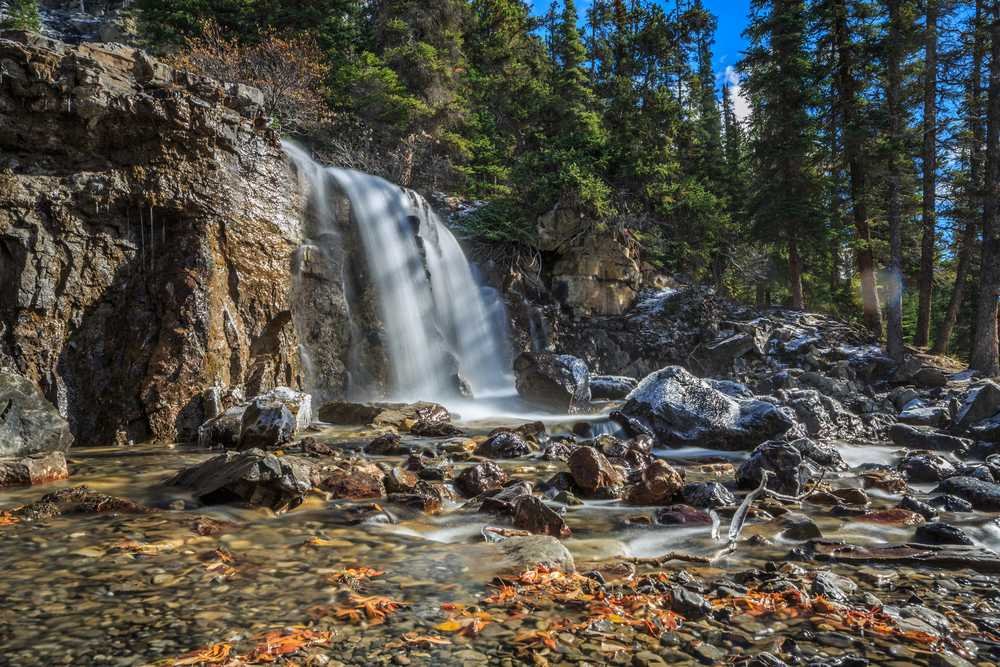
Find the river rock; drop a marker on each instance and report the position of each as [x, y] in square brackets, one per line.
[611, 387]
[266, 424]
[533, 515]
[917, 414]
[982, 402]
[923, 509]
[682, 515]
[354, 485]
[479, 478]
[402, 416]
[679, 410]
[504, 445]
[503, 502]
[717, 357]
[593, 473]
[708, 495]
[29, 424]
[918, 437]
[33, 469]
[782, 460]
[253, 476]
[987, 430]
[923, 467]
[558, 381]
[941, 533]
[518, 554]
[950, 503]
[77, 500]
[824, 416]
[387, 444]
[658, 484]
[799, 527]
[222, 431]
[984, 496]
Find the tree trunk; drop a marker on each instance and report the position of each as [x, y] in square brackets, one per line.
[975, 194]
[847, 91]
[985, 353]
[795, 274]
[929, 205]
[894, 309]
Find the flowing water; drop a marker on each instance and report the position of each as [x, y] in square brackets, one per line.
[439, 325]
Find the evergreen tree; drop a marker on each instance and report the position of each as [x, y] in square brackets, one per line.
[784, 134]
[929, 181]
[22, 15]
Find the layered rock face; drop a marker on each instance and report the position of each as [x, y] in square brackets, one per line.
[146, 235]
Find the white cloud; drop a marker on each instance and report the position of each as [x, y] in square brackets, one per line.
[741, 104]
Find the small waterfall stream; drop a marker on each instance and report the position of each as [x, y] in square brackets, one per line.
[440, 328]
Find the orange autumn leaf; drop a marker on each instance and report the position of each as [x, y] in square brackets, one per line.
[216, 654]
[8, 520]
[425, 641]
[375, 609]
[353, 577]
[276, 644]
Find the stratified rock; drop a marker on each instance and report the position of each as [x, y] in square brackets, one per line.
[533, 515]
[254, 477]
[167, 271]
[941, 533]
[558, 381]
[593, 473]
[77, 500]
[682, 410]
[708, 495]
[402, 416]
[596, 275]
[658, 484]
[32, 470]
[504, 445]
[951, 557]
[611, 387]
[916, 437]
[683, 515]
[984, 496]
[923, 467]
[29, 424]
[479, 478]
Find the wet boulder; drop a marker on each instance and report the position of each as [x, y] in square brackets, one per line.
[504, 501]
[984, 496]
[430, 429]
[33, 469]
[480, 478]
[29, 424]
[916, 413]
[517, 554]
[941, 533]
[707, 495]
[924, 466]
[917, 437]
[981, 402]
[504, 445]
[824, 416]
[403, 416]
[782, 460]
[558, 381]
[657, 485]
[950, 503]
[611, 387]
[923, 509]
[593, 473]
[75, 501]
[533, 515]
[987, 430]
[266, 424]
[299, 403]
[353, 485]
[222, 431]
[253, 476]
[632, 455]
[679, 410]
[387, 444]
[682, 515]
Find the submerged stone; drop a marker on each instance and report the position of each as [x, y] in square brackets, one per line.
[253, 476]
[559, 381]
[32, 470]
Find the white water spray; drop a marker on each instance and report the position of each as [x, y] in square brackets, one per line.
[439, 325]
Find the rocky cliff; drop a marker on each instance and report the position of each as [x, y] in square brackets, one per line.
[146, 234]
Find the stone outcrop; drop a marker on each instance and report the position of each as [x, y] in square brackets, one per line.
[29, 424]
[147, 229]
[597, 275]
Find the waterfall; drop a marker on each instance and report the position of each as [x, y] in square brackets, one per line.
[440, 329]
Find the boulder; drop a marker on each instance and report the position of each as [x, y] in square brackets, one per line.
[253, 476]
[557, 381]
[266, 424]
[824, 416]
[517, 554]
[682, 515]
[354, 485]
[658, 484]
[707, 495]
[987, 430]
[29, 424]
[533, 515]
[717, 357]
[984, 496]
[679, 409]
[924, 467]
[480, 478]
[298, 403]
[222, 431]
[593, 473]
[611, 387]
[915, 413]
[387, 444]
[596, 275]
[922, 437]
[782, 460]
[505, 500]
[74, 501]
[33, 469]
[941, 533]
[504, 445]
[402, 416]
[982, 402]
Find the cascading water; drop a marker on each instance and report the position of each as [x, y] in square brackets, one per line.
[440, 327]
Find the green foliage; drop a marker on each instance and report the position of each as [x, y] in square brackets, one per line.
[22, 15]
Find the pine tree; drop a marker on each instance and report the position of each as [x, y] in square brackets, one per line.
[779, 81]
[985, 353]
[929, 166]
[22, 15]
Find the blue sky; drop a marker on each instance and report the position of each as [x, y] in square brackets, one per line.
[732, 15]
